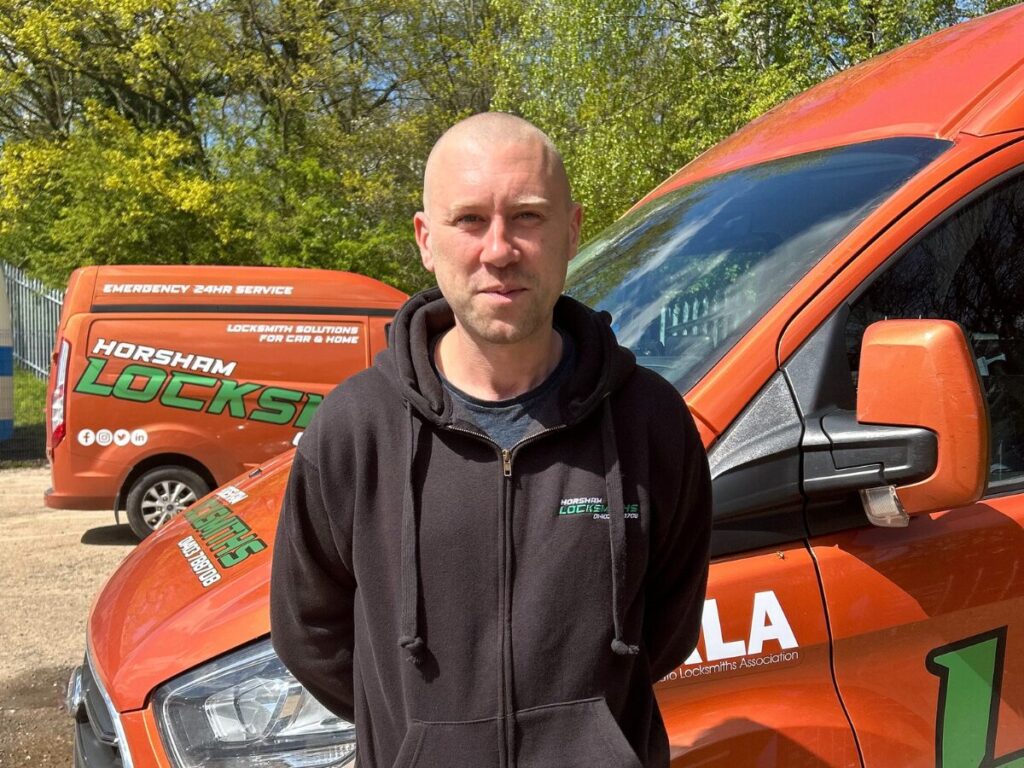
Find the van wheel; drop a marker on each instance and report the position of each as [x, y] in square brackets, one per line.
[160, 494]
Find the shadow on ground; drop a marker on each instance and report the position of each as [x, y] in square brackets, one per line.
[34, 728]
[36, 689]
[110, 535]
[27, 444]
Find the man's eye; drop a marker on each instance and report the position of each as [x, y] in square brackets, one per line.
[468, 218]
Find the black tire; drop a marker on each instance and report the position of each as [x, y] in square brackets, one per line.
[159, 494]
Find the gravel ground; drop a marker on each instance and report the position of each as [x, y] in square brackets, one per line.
[52, 565]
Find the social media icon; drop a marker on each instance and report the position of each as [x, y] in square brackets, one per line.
[121, 437]
[86, 437]
[104, 437]
[139, 437]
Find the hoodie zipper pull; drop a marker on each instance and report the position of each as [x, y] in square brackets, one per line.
[506, 462]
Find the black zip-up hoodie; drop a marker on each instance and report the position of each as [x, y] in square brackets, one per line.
[538, 592]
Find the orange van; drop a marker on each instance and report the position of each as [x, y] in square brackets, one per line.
[167, 381]
[838, 292]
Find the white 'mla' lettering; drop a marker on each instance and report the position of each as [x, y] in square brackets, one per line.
[767, 622]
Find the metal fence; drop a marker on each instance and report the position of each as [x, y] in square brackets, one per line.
[35, 315]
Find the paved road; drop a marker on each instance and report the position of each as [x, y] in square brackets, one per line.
[52, 564]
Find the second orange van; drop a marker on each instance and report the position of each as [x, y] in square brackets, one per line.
[169, 380]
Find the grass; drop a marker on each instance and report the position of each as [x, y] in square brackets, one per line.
[29, 397]
[28, 445]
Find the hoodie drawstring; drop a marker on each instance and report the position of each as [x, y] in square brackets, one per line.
[616, 528]
[410, 639]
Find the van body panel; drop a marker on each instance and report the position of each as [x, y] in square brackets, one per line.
[763, 629]
[888, 615]
[150, 288]
[93, 479]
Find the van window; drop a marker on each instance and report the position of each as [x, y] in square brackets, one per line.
[969, 268]
[687, 275]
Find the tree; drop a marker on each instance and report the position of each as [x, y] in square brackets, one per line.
[294, 132]
[288, 132]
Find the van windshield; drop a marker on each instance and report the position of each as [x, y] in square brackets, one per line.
[687, 275]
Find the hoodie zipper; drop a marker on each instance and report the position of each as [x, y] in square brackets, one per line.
[505, 753]
[506, 456]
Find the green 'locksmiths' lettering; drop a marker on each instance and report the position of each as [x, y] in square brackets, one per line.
[235, 526]
[172, 392]
[228, 537]
[123, 387]
[250, 547]
[231, 394]
[583, 509]
[971, 674]
[592, 508]
[201, 513]
[232, 543]
[143, 383]
[312, 401]
[211, 522]
[152, 379]
[88, 384]
[278, 405]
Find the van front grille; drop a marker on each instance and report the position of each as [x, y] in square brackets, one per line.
[96, 740]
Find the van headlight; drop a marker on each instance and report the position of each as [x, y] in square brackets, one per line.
[245, 709]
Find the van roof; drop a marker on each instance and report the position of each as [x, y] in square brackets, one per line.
[207, 287]
[968, 78]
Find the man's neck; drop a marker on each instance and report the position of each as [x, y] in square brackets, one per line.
[497, 371]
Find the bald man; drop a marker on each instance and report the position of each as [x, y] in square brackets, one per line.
[495, 540]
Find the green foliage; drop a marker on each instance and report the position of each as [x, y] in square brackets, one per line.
[294, 132]
[634, 89]
[109, 193]
[279, 132]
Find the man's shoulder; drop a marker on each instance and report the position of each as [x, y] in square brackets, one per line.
[352, 412]
[650, 406]
[362, 393]
[648, 391]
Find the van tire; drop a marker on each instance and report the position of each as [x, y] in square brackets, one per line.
[159, 494]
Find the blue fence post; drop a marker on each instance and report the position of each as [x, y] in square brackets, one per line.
[6, 368]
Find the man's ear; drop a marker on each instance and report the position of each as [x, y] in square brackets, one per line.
[575, 222]
[421, 226]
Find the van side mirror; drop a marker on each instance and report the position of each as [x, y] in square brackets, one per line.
[918, 439]
[921, 373]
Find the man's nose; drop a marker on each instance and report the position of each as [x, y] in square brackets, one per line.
[499, 249]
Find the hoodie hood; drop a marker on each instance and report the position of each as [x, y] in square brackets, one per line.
[601, 364]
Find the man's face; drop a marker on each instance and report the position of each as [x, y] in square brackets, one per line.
[498, 234]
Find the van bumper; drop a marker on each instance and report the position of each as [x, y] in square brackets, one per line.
[56, 500]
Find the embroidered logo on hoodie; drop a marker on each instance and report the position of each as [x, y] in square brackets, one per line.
[594, 506]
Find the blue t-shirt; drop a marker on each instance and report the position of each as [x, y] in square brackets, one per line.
[508, 422]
